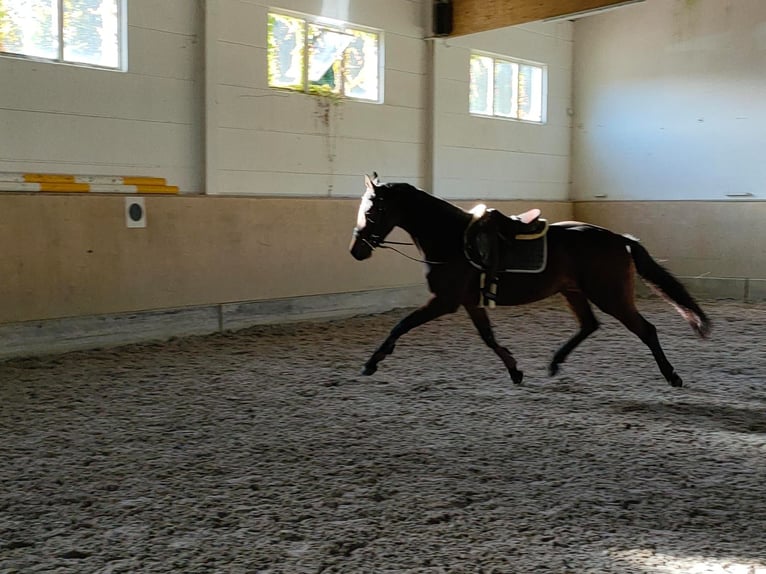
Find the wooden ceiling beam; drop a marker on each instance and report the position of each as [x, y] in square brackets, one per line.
[470, 16]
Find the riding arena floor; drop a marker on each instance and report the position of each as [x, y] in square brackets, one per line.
[265, 451]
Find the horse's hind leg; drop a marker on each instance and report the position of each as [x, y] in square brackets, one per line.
[481, 321]
[588, 324]
[648, 334]
[629, 316]
[436, 307]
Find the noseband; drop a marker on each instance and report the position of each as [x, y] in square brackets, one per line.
[373, 240]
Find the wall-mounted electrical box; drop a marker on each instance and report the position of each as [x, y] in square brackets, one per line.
[135, 212]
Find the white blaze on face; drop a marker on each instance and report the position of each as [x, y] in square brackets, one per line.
[364, 207]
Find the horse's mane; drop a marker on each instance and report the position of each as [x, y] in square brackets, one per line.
[436, 224]
[421, 199]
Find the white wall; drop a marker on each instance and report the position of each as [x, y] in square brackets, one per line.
[194, 107]
[276, 142]
[492, 158]
[671, 101]
[66, 119]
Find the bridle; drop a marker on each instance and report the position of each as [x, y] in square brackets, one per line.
[374, 240]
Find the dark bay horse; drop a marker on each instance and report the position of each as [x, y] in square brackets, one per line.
[585, 263]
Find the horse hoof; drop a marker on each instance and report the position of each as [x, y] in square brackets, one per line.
[517, 376]
[676, 381]
[369, 370]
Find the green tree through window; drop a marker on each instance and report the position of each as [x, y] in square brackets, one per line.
[73, 31]
[323, 57]
[507, 88]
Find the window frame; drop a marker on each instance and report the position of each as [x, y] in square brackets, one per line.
[512, 60]
[122, 44]
[337, 25]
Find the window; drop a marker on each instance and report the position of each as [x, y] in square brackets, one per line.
[85, 32]
[507, 88]
[324, 57]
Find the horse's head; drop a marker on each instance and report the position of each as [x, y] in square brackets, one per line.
[374, 221]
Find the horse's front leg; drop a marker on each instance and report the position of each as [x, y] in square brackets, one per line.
[436, 307]
[484, 326]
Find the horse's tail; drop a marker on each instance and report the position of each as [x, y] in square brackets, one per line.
[668, 287]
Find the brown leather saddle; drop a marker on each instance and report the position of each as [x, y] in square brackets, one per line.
[513, 244]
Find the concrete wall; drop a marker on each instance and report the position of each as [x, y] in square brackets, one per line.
[74, 276]
[68, 255]
[718, 248]
[670, 106]
[75, 256]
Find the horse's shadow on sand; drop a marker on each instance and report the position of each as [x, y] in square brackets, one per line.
[714, 417]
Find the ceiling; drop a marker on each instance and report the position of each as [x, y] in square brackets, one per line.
[470, 16]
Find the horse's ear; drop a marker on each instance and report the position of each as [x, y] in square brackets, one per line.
[529, 216]
[368, 183]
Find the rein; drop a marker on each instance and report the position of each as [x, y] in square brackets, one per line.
[383, 244]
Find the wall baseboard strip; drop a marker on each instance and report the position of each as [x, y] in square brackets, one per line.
[55, 336]
[756, 290]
